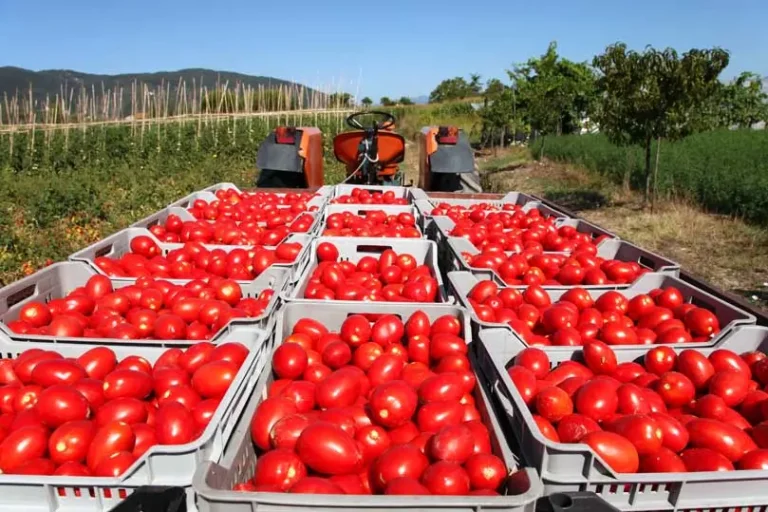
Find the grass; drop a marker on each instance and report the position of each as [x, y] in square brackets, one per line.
[725, 251]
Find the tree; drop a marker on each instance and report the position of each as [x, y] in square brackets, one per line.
[405, 100]
[557, 93]
[474, 84]
[386, 102]
[742, 102]
[654, 95]
[494, 88]
[451, 89]
[367, 102]
[339, 99]
[499, 115]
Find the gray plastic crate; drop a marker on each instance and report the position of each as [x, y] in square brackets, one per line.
[410, 193]
[115, 246]
[162, 216]
[575, 467]
[612, 249]
[362, 210]
[355, 248]
[213, 481]
[729, 315]
[59, 279]
[172, 465]
[518, 198]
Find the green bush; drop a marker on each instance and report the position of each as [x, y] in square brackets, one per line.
[724, 171]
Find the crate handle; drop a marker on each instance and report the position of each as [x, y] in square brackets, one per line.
[506, 404]
[107, 249]
[647, 262]
[20, 295]
[373, 249]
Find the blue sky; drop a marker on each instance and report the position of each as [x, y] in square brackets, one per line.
[370, 48]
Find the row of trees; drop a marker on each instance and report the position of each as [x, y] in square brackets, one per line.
[635, 98]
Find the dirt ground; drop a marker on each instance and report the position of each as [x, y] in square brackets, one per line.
[724, 251]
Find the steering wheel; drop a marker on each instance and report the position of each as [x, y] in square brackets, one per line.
[387, 120]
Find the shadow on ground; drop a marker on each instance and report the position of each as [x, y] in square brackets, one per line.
[578, 200]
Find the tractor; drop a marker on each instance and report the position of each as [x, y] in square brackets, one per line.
[292, 157]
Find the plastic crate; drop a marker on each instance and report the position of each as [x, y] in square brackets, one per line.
[115, 246]
[355, 248]
[410, 193]
[729, 315]
[213, 481]
[209, 195]
[575, 467]
[361, 210]
[169, 465]
[162, 216]
[613, 249]
[518, 198]
[59, 279]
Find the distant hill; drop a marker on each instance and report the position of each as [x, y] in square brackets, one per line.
[15, 80]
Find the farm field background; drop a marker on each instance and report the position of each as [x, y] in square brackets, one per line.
[64, 187]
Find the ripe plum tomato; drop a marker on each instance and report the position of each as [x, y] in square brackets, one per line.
[327, 449]
[617, 451]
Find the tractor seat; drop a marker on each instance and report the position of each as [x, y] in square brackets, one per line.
[391, 148]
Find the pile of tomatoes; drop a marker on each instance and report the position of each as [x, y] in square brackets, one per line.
[195, 261]
[521, 232]
[533, 266]
[240, 206]
[375, 223]
[661, 316]
[271, 229]
[391, 277]
[671, 412]
[148, 309]
[387, 408]
[95, 416]
[364, 196]
[478, 209]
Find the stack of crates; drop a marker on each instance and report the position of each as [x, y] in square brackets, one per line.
[443, 241]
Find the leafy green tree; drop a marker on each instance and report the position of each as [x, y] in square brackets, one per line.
[386, 102]
[556, 92]
[742, 102]
[456, 88]
[654, 95]
[494, 88]
[405, 100]
[474, 84]
[499, 116]
[367, 102]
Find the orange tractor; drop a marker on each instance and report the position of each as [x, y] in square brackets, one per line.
[293, 157]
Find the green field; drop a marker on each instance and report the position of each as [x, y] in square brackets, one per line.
[723, 171]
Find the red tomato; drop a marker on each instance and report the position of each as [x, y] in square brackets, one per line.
[326, 251]
[22, 445]
[405, 486]
[212, 380]
[617, 452]
[546, 428]
[675, 389]
[433, 416]
[553, 404]
[662, 461]
[373, 441]
[269, 412]
[70, 441]
[114, 464]
[705, 459]
[573, 427]
[327, 449]
[281, 468]
[127, 384]
[723, 359]
[535, 360]
[446, 478]
[355, 330]
[596, 400]
[485, 471]
[339, 389]
[756, 459]
[59, 404]
[441, 387]
[674, 435]
[632, 400]
[600, 358]
[51, 372]
[731, 385]
[696, 367]
[454, 443]
[110, 439]
[392, 403]
[722, 437]
[660, 360]
[640, 430]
